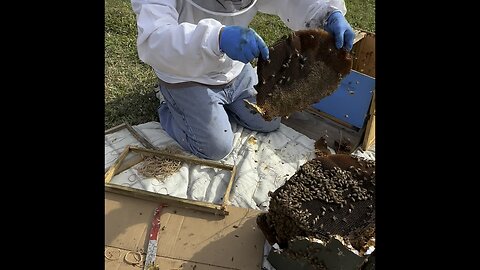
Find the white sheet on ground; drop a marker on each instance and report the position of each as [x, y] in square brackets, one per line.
[264, 162]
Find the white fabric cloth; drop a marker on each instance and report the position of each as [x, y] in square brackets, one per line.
[264, 162]
[181, 42]
[370, 154]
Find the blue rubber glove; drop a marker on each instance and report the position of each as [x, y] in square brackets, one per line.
[242, 44]
[343, 33]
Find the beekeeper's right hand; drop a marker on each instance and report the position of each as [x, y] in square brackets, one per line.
[242, 44]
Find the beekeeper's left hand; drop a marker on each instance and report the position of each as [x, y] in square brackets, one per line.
[343, 33]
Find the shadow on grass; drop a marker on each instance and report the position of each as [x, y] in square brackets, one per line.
[134, 108]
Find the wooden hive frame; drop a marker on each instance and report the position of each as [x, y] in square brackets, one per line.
[364, 50]
[122, 163]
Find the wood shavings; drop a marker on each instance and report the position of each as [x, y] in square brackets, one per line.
[160, 167]
[137, 257]
[112, 254]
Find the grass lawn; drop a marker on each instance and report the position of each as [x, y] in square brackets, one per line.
[129, 82]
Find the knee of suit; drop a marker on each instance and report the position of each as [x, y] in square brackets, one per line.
[267, 126]
[215, 149]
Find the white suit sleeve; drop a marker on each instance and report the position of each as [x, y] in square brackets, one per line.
[302, 14]
[179, 49]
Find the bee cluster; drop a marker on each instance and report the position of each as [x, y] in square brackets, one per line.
[303, 68]
[329, 195]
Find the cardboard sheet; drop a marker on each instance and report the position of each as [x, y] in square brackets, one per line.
[187, 239]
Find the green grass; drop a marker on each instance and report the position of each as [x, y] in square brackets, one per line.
[361, 14]
[129, 82]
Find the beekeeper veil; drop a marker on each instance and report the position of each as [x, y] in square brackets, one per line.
[223, 7]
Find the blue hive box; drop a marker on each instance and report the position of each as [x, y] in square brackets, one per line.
[353, 103]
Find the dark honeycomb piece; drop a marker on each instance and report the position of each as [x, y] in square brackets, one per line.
[303, 68]
[329, 195]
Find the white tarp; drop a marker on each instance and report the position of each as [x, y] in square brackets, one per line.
[264, 162]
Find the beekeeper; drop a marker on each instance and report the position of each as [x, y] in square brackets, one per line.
[200, 50]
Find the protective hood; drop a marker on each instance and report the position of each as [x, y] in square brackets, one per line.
[223, 7]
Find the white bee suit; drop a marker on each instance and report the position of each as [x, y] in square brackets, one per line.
[179, 39]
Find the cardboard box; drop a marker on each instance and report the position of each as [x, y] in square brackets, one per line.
[188, 239]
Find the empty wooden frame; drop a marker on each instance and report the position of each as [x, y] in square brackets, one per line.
[119, 166]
